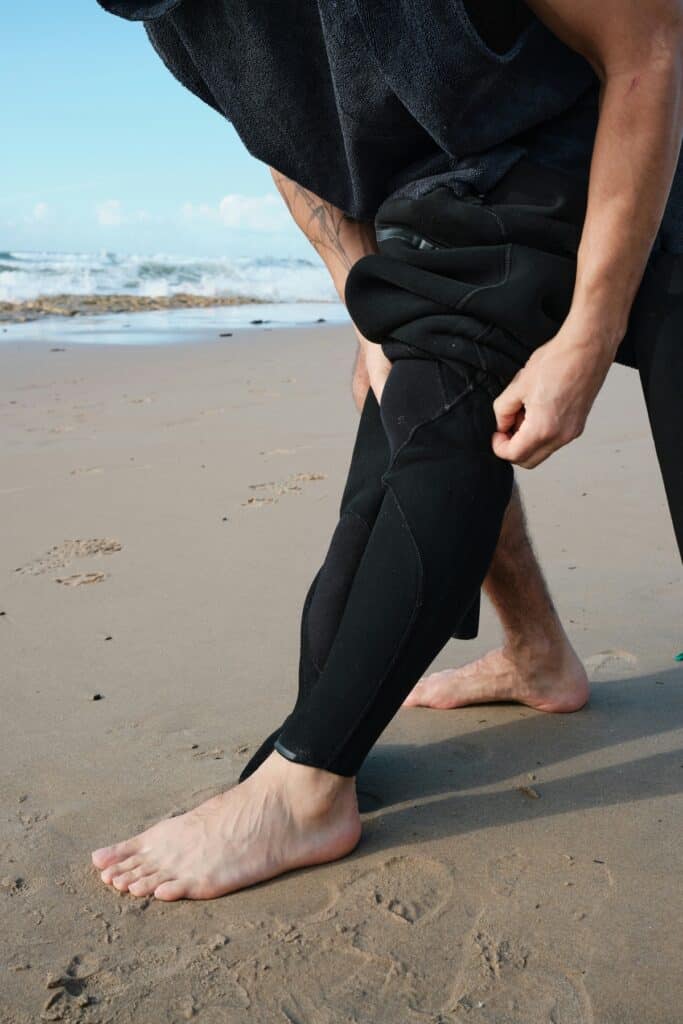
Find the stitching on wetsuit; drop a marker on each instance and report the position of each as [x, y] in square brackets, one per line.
[496, 284]
[468, 391]
[406, 632]
[447, 406]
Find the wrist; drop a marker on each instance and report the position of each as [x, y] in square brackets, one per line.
[596, 327]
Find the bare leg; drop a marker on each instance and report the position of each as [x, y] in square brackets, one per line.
[537, 665]
[283, 817]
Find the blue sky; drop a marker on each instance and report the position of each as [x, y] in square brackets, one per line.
[104, 149]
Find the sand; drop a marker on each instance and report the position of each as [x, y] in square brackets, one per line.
[163, 511]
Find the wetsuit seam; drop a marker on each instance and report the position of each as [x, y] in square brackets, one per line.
[418, 426]
[406, 632]
[500, 283]
[345, 515]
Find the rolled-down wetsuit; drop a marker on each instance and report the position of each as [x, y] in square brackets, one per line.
[460, 295]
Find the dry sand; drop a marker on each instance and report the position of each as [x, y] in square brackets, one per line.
[163, 510]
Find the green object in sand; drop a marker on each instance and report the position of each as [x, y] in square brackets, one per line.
[678, 657]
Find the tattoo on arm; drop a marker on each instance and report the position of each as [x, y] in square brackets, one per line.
[323, 224]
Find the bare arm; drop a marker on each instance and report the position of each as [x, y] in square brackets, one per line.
[340, 242]
[636, 49]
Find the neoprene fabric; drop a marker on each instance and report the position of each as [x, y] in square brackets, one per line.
[460, 294]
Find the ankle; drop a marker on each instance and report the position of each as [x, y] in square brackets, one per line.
[312, 791]
[537, 646]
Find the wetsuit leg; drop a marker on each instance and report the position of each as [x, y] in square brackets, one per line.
[361, 501]
[458, 320]
[423, 564]
[327, 594]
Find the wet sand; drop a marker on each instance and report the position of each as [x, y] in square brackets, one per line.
[163, 511]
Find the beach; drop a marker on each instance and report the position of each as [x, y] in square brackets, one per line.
[164, 508]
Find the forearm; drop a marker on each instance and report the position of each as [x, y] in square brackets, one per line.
[339, 241]
[635, 155]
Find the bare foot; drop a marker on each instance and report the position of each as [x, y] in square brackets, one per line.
[553, 680]
[284, 816]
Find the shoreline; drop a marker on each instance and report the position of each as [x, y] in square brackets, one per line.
[73, 304]
[172, 326]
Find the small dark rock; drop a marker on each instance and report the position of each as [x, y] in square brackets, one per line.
[227, 334]
[321, 320]
[97, 696]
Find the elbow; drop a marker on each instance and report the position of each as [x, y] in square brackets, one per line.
[662, 45]
[647, 47]
[654, 65]
[667, 65]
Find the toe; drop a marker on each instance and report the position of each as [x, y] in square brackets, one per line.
[122, 881]
[414, 698]
[119, 868]
[146, 885]
[172, 890]
[108, 855]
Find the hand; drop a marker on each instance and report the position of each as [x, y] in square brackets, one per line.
[546, 405]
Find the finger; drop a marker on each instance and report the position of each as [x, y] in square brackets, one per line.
[539, 456]
[508, 405]
[522, 446]
[528, 451]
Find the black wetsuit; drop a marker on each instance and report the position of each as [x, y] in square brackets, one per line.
[461, 294]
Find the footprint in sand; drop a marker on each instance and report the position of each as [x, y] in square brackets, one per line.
[79, 578]
[501, 973]
[61, 555]
[407, 890]
[610, 663]
[377, 926]
[501, 979]
[273, 490]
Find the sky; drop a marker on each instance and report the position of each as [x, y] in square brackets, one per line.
[102, 149]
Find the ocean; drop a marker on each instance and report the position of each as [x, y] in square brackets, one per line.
[282, 291]
[27, 275]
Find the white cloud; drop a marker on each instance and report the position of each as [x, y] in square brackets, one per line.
[109, 213]
[260, 213]
[254, 213]
[198, 211]
[40, 211]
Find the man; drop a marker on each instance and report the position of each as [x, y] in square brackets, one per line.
[509, 89]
